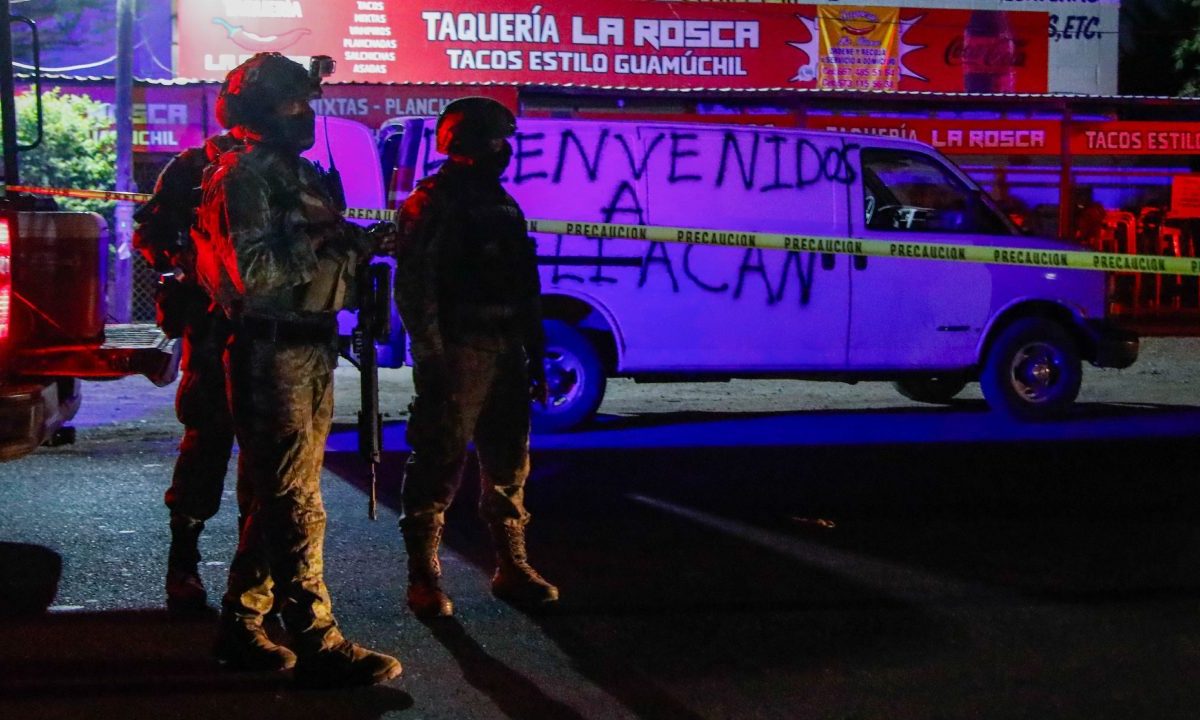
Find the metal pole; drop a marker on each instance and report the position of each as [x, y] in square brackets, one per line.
[8, 107]
[1066, 181]
[121, 290]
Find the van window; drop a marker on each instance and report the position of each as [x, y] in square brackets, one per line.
[913, 192]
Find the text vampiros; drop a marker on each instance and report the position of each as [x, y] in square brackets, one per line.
[535, 28]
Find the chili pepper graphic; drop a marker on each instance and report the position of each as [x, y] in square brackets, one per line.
[254, 42]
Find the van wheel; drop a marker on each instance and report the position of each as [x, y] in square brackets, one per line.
[574, 377]
[1033, 370]
[936, 389]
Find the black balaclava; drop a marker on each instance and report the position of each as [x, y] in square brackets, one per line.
[494, 163]
[295, 133]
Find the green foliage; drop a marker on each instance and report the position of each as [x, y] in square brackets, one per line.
[78, 149]
[1187, 52]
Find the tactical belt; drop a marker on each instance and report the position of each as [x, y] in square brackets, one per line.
[315, 331]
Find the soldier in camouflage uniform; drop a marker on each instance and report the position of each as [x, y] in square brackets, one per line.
[468, 291]
[185, 311]
[276, 254]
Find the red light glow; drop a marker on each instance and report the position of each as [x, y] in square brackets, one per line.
[5, 277]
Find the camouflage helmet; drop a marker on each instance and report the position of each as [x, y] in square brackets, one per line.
[468, 125]
[252, 90]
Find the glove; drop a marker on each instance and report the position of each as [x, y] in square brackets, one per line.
[382, 238]
[171, 306]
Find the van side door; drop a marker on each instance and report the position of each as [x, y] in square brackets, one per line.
[918, 314]
[731, 305]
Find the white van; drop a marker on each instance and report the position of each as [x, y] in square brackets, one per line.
[658, 311]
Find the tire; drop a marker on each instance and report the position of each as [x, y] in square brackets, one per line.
[1032, 370]
[575, 378]
[935, 389]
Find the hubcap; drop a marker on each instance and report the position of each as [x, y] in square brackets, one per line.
[1036, 370]
[564, 378]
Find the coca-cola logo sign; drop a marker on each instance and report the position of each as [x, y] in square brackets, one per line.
[995, 52]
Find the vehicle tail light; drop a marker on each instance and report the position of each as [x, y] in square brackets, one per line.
[5, 276]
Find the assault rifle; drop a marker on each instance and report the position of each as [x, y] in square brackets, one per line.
[374, 311]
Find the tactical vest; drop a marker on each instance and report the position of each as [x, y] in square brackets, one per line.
[485, 266]
[300, 209]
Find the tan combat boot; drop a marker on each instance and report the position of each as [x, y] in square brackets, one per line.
[185, 590]
[242, 644]
[425, 596]
[515, 581]
[344, 664]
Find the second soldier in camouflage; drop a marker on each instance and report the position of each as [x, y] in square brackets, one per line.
[468, 291]
[163, 236]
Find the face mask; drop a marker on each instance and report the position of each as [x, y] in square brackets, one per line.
[294, 132]
[497, 162]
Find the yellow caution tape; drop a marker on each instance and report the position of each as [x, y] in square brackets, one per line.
[370, 214]
[1030, 257]
[994, 255]
[114, 196]
[111, 195]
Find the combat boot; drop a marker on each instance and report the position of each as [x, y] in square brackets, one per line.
[515, 581]
[425, 596]
[242, 644]
[346, 664]
[185, 590]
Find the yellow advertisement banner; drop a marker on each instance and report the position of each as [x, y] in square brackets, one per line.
[859, 48]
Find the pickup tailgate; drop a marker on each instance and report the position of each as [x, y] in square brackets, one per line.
[127, 349]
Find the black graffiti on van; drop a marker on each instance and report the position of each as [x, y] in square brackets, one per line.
[760, 159]
[660, 260]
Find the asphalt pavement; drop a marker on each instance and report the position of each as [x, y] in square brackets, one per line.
[890, 562]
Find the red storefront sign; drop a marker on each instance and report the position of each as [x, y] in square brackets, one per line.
[618, 44]
[1025, 137]
[373, 104]
[1135, 138]
[1185, 196]
[166, 118]
[956, 137]
[171, 118]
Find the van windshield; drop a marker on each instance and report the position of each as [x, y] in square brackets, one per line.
[904, 190]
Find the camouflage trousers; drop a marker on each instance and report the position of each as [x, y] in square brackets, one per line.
[282, 401]
[202, 406]
[475, 395]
